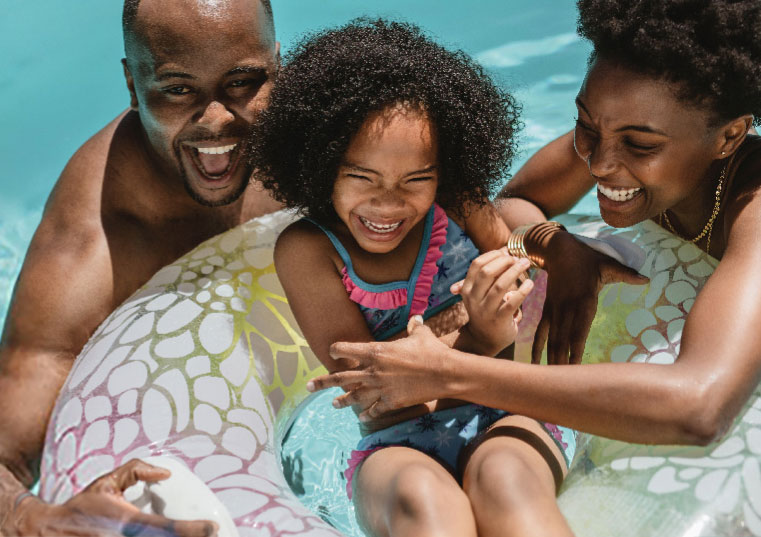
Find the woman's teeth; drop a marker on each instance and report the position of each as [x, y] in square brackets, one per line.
[216, 150]
[380, 228]
[618, 194]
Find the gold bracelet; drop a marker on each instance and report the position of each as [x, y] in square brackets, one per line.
[516, 245]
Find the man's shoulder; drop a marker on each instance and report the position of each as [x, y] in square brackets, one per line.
[79, 193]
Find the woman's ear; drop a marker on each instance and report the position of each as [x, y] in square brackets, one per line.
[732, 134]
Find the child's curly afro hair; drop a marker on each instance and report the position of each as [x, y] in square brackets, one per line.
[335, 78]
[710, 48]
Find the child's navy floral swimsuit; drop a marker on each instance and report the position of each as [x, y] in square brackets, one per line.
[445, 255]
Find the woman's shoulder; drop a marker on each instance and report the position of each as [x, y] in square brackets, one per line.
[743, 198]
[746, 172]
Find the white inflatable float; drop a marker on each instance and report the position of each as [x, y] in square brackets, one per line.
[202, 371]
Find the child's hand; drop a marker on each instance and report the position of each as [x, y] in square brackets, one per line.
[492, 297]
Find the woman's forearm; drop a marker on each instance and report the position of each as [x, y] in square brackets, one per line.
[644, 403]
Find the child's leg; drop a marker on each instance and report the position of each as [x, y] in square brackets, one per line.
[510, 481]
[400, 491]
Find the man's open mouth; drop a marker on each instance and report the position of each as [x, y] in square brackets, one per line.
[215, 162]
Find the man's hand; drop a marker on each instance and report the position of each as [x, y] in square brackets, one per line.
[386, 376]
[575, 275]
[101, 509]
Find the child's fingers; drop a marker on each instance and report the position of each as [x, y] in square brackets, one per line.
[500, 272]
[475, 274]
[506, 281]
[456, 287]
[513, 299]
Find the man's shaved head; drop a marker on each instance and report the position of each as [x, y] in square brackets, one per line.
[131, 26]
[199, 72]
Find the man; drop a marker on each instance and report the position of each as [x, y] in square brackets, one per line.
[159, 179]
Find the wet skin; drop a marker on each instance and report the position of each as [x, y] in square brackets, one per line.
[635, 133]
[692, 401]
[198, 84]
[197, 76]
[385, 186]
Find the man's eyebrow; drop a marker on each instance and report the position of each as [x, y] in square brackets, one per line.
[639, 128]
[246, 70]
[174, 74]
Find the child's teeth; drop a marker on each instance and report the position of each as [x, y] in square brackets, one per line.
[618, 194]
[380, 228]
[216, 150]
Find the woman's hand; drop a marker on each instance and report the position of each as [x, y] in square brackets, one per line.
[384, 376]
[575, 275]
[492, 298]
[101, 509]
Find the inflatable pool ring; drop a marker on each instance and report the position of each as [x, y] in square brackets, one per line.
[201, 365]
[205, 366]
[616, 488]
[613, 488]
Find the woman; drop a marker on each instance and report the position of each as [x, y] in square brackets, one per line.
[662, 130]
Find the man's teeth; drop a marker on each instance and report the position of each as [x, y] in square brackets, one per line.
[216, 150]
[618, 194]
[380, 228]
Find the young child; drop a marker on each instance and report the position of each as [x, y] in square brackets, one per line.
[390, 145]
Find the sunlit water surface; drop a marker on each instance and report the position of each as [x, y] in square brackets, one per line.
[62, 81]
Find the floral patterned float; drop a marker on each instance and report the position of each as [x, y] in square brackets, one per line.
[205, 365]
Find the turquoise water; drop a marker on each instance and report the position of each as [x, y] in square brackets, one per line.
[62, 81]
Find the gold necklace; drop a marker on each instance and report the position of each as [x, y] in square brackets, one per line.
[708, 228]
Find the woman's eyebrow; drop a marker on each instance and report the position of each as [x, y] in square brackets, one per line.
[639, 128]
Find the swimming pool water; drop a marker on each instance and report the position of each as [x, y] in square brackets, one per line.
[62, 80]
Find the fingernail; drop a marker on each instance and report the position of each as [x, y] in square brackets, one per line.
[310, 386]
[363, 418]
[418, 319]
[336, 403]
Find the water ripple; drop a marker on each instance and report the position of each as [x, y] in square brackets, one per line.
[517, 52]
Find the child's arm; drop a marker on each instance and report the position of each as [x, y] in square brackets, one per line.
[493, 309]
[306, 264]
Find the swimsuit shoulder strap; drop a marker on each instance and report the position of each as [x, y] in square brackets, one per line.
[334, 240]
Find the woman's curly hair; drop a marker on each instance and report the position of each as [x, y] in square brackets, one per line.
[335, 78]
[709, 48]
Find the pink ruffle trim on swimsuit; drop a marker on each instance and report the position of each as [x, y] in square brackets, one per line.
[395, 298]
[429, 270]
[356, 458]
[384, 300]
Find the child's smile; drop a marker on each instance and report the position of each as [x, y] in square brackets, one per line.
[388, 178]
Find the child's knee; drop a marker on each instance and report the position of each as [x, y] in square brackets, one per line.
[425, 494]
[508, 477]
